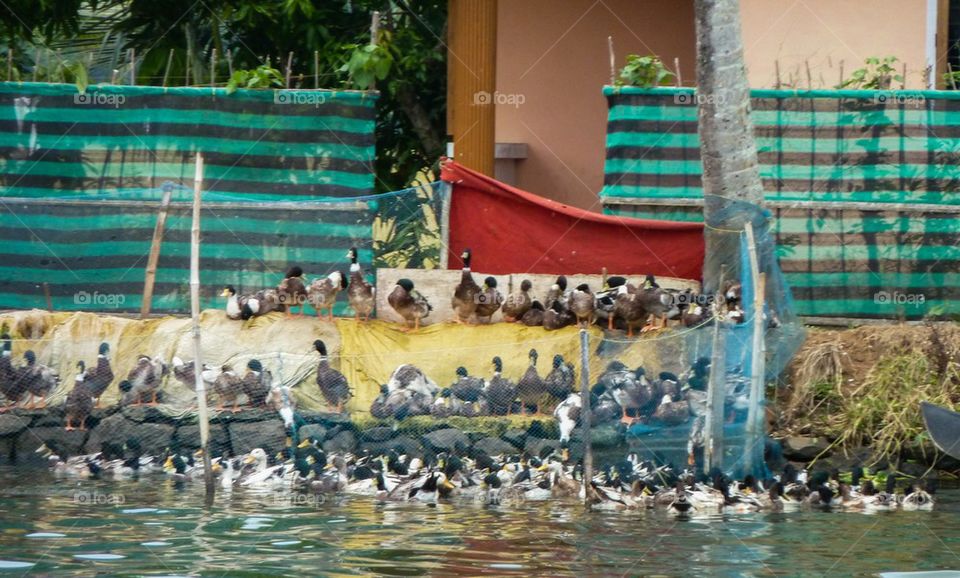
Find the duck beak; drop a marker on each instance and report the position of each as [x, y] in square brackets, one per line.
[305, 443]
[448, 485]
[249, 459]
[224, 293]
[565, 454]
[168, 464]
[216, 468]
[542, 468]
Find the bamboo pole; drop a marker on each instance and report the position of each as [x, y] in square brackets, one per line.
[585, 411]
[806, 64]
[716, 388]
[9, 64]
[776, 68]
[229, 55]
[133, 66]
[613, 61]
[676, 66]
[151, 273]
[186, 76]
[446, 193]
[289, 67]
[195, 315]
[213, 69]
[47, 297]
[166, 71]
[756, 373]
[316, 69]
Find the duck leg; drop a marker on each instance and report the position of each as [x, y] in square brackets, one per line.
[610, 323]
[69, 425]
[330, 313]
[626, 418]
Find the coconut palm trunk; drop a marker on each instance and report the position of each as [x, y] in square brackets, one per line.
[731, 174]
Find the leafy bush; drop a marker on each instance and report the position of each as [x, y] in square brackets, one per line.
[644, 71]
[262, 76]
[878, 74]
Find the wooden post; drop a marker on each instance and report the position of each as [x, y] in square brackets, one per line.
[613, 61]
[166, 71]
[756, 360]
[472, 81]
[213, 70]
[806, 63]
[374, 39]
[154, 257]
[9, 64]
[46, 296]
[195, 315]
[903, 77]
[133, 67]
[776, 68]
[36, 63]
[229, 55]
[676, 66]
[186, 76]
[585, 412]
[316, 69]
[716, 388]
[289, 66]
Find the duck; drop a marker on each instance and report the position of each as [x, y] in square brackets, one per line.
[530, 387]
[409, 303]
[403, 403]
[656, 302]
[411, 377]
[605, 299]
[145, 379]
[629, 306]
[559, 382]
[582, 304]
[567, 414]
[467, 388]
[256, 383]
[630, 389]
[557, 317]
[917, 498]
[79, 402]
[464, 302]
[499, 391]
[38, 380]
[671, 412]
[185, 373]
[428, 488]
[534, 316]
[489, 300]
[244, 307]
[235, 303]
[517, 304]
[292, 291]
[333, 385]
[9, 387]
[228, 387]
[99, 378]
[322, 292]
[379, 408]
[557, 293]
[361, 294]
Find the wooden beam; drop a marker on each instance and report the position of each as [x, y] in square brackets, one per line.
[154, 257]
[472, 81]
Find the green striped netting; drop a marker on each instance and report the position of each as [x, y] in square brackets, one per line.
[863, 186]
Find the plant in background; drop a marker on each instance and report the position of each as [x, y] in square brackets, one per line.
[644, 71]
[262, 76]
[877, 74]
[367, 64]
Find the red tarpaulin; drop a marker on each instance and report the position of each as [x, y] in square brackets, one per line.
[513, 231]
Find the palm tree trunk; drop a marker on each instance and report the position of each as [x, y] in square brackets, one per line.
[731, 175]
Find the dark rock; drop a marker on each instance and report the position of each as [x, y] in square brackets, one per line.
[6, 449]
[445, 440]
[248, 414]
[802, 448]
[314, 430]
[69, 442]
[145, 413]
[377, 434]
[494, 446]
[154, 438]
[344, 441]
[516, 437]
[604, 436]
[188, 438]
[11, 424]
[537, 429]
[401, 444]
[52, 417]
[270, 435]
[536, 446]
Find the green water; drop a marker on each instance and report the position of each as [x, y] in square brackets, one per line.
[160, 529]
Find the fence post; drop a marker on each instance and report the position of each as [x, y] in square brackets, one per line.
[753, 433]
[716, 388]
[154, 257]
[195, 315]
[585, 412]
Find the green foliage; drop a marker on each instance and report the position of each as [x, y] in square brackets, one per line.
[644, 71]
[366, 65]
[410, 233]
[877, 74]
[951, 80]
[262, 76]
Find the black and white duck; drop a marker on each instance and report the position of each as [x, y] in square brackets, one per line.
[256, 383]
[247, 306]
[412, 378]
[464, 301]
[606, 299]
[489, 300]
[37, 380]
[567, 414]
[322, 292]
[467, 388]
[557, 292]
[557, 317]
[361, 294]
[99, 377]
[409, 303]
[518, 302]
[145, 379]
[333, 385]
[292, 291]
[534, 316]
[500, 391]
[531, 387]
[582, 304]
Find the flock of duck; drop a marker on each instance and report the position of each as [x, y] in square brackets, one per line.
[630, 484]
[619, 304]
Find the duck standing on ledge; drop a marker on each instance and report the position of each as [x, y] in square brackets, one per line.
[79, 402]
[360, 293]
[38, 380]
[518, 303]
[10, 386]
[534, 316]
[531, 388]
[409, 303]
[582, 304]
[500, 391]
[292, 291]
[322, 293]
[465, 294]
[333, 384]
[488, 300]
[99, 378]
[145, 379]
[256, 383]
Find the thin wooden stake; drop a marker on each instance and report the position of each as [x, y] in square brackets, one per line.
[903, 77]
[154, 257]
[953, 81]
[9, 64]
[213, 68]
[46, 295]
[133, 67]
[756, 364]
[676, 66]
[316, 69]
[776, 68]
[716, 387]
[230, 62]
[806, 63]
[841, 73]
[585, 414]
[374, 37]
[36, 63]
[288, 71]
[113, 76]
[186, 77]
[195, 315]
[166, 71]
[613, 61]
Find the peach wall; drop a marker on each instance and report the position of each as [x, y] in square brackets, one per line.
[555, 55]
[824, 32]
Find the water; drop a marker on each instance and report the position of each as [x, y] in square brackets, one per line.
[52, 527]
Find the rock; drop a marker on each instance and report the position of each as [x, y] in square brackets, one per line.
[802, 448]
[538, 429]
[11, 424]
[6, 449]
[248, 415]
[401, 444]
[146, 413]
[52, 417]
[343, 441]
[377, 434]
[188, 438]
[69, 442]
[153, 437]
[605, 436]
[270, 435]
[516, 437]
[445, 440]
[312, 430]
[495, 446]
[540, 447]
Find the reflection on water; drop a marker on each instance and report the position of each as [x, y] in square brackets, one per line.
[65, 528]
